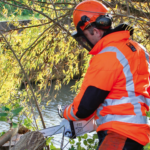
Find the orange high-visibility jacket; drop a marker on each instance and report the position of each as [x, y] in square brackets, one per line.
[121, 66]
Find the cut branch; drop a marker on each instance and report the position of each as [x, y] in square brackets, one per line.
[7, 136]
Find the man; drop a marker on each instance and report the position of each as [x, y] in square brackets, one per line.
[114, 90]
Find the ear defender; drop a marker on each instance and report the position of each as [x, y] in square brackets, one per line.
[103, 22]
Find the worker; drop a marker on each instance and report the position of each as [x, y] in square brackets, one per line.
[114, 89]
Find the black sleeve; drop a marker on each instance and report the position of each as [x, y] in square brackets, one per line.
[90, 101]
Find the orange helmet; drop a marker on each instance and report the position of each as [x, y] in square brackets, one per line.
[91, 8]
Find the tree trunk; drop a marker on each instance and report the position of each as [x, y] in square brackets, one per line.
[31, 141]
[23, 140]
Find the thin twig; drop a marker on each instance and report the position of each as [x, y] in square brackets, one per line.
[55, 10]
[128, 10]
[31, 106]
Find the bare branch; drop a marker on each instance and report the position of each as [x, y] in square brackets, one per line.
[55, 10]
[7, 136]
[128, 10]
[56, 3]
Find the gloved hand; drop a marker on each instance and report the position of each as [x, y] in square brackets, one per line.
[61, 110]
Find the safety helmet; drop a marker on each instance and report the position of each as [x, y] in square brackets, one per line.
[87, 13]
[90, 8]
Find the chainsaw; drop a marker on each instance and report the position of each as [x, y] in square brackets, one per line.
[70, 129]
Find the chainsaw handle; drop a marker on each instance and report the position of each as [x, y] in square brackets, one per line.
[72, 130]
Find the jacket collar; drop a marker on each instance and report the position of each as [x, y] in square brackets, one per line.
[123, 31]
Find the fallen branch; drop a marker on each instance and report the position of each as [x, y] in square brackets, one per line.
[7, 136]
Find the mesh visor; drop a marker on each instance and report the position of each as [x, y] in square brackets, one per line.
[82, 40]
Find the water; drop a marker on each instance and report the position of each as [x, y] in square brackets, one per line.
[64, 97]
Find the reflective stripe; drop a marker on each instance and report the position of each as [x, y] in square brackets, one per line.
[126, 69]
[124, 100]
[122, 118]
[67, 113]
[148, 101]
[147, 56]
[72, 114]
[148, 61]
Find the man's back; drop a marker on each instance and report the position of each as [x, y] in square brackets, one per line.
[123, 68]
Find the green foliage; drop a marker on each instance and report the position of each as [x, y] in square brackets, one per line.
[17, 111]
[9, 9]
[72, 142]
[147, 147]
[2, 133]
[27, 123]
[50, 143]
[85, 142]
[14, 125]
[148, 114]
[3, 119]
[8, 113]
[3, 114]
[72, 148]
[48, 140]
[4, 108]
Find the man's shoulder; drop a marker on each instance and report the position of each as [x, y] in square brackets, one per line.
[107, 59]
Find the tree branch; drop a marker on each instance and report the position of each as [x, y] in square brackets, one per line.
[55, 10]
[56, 3]
[133, 11]
[7, 136]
